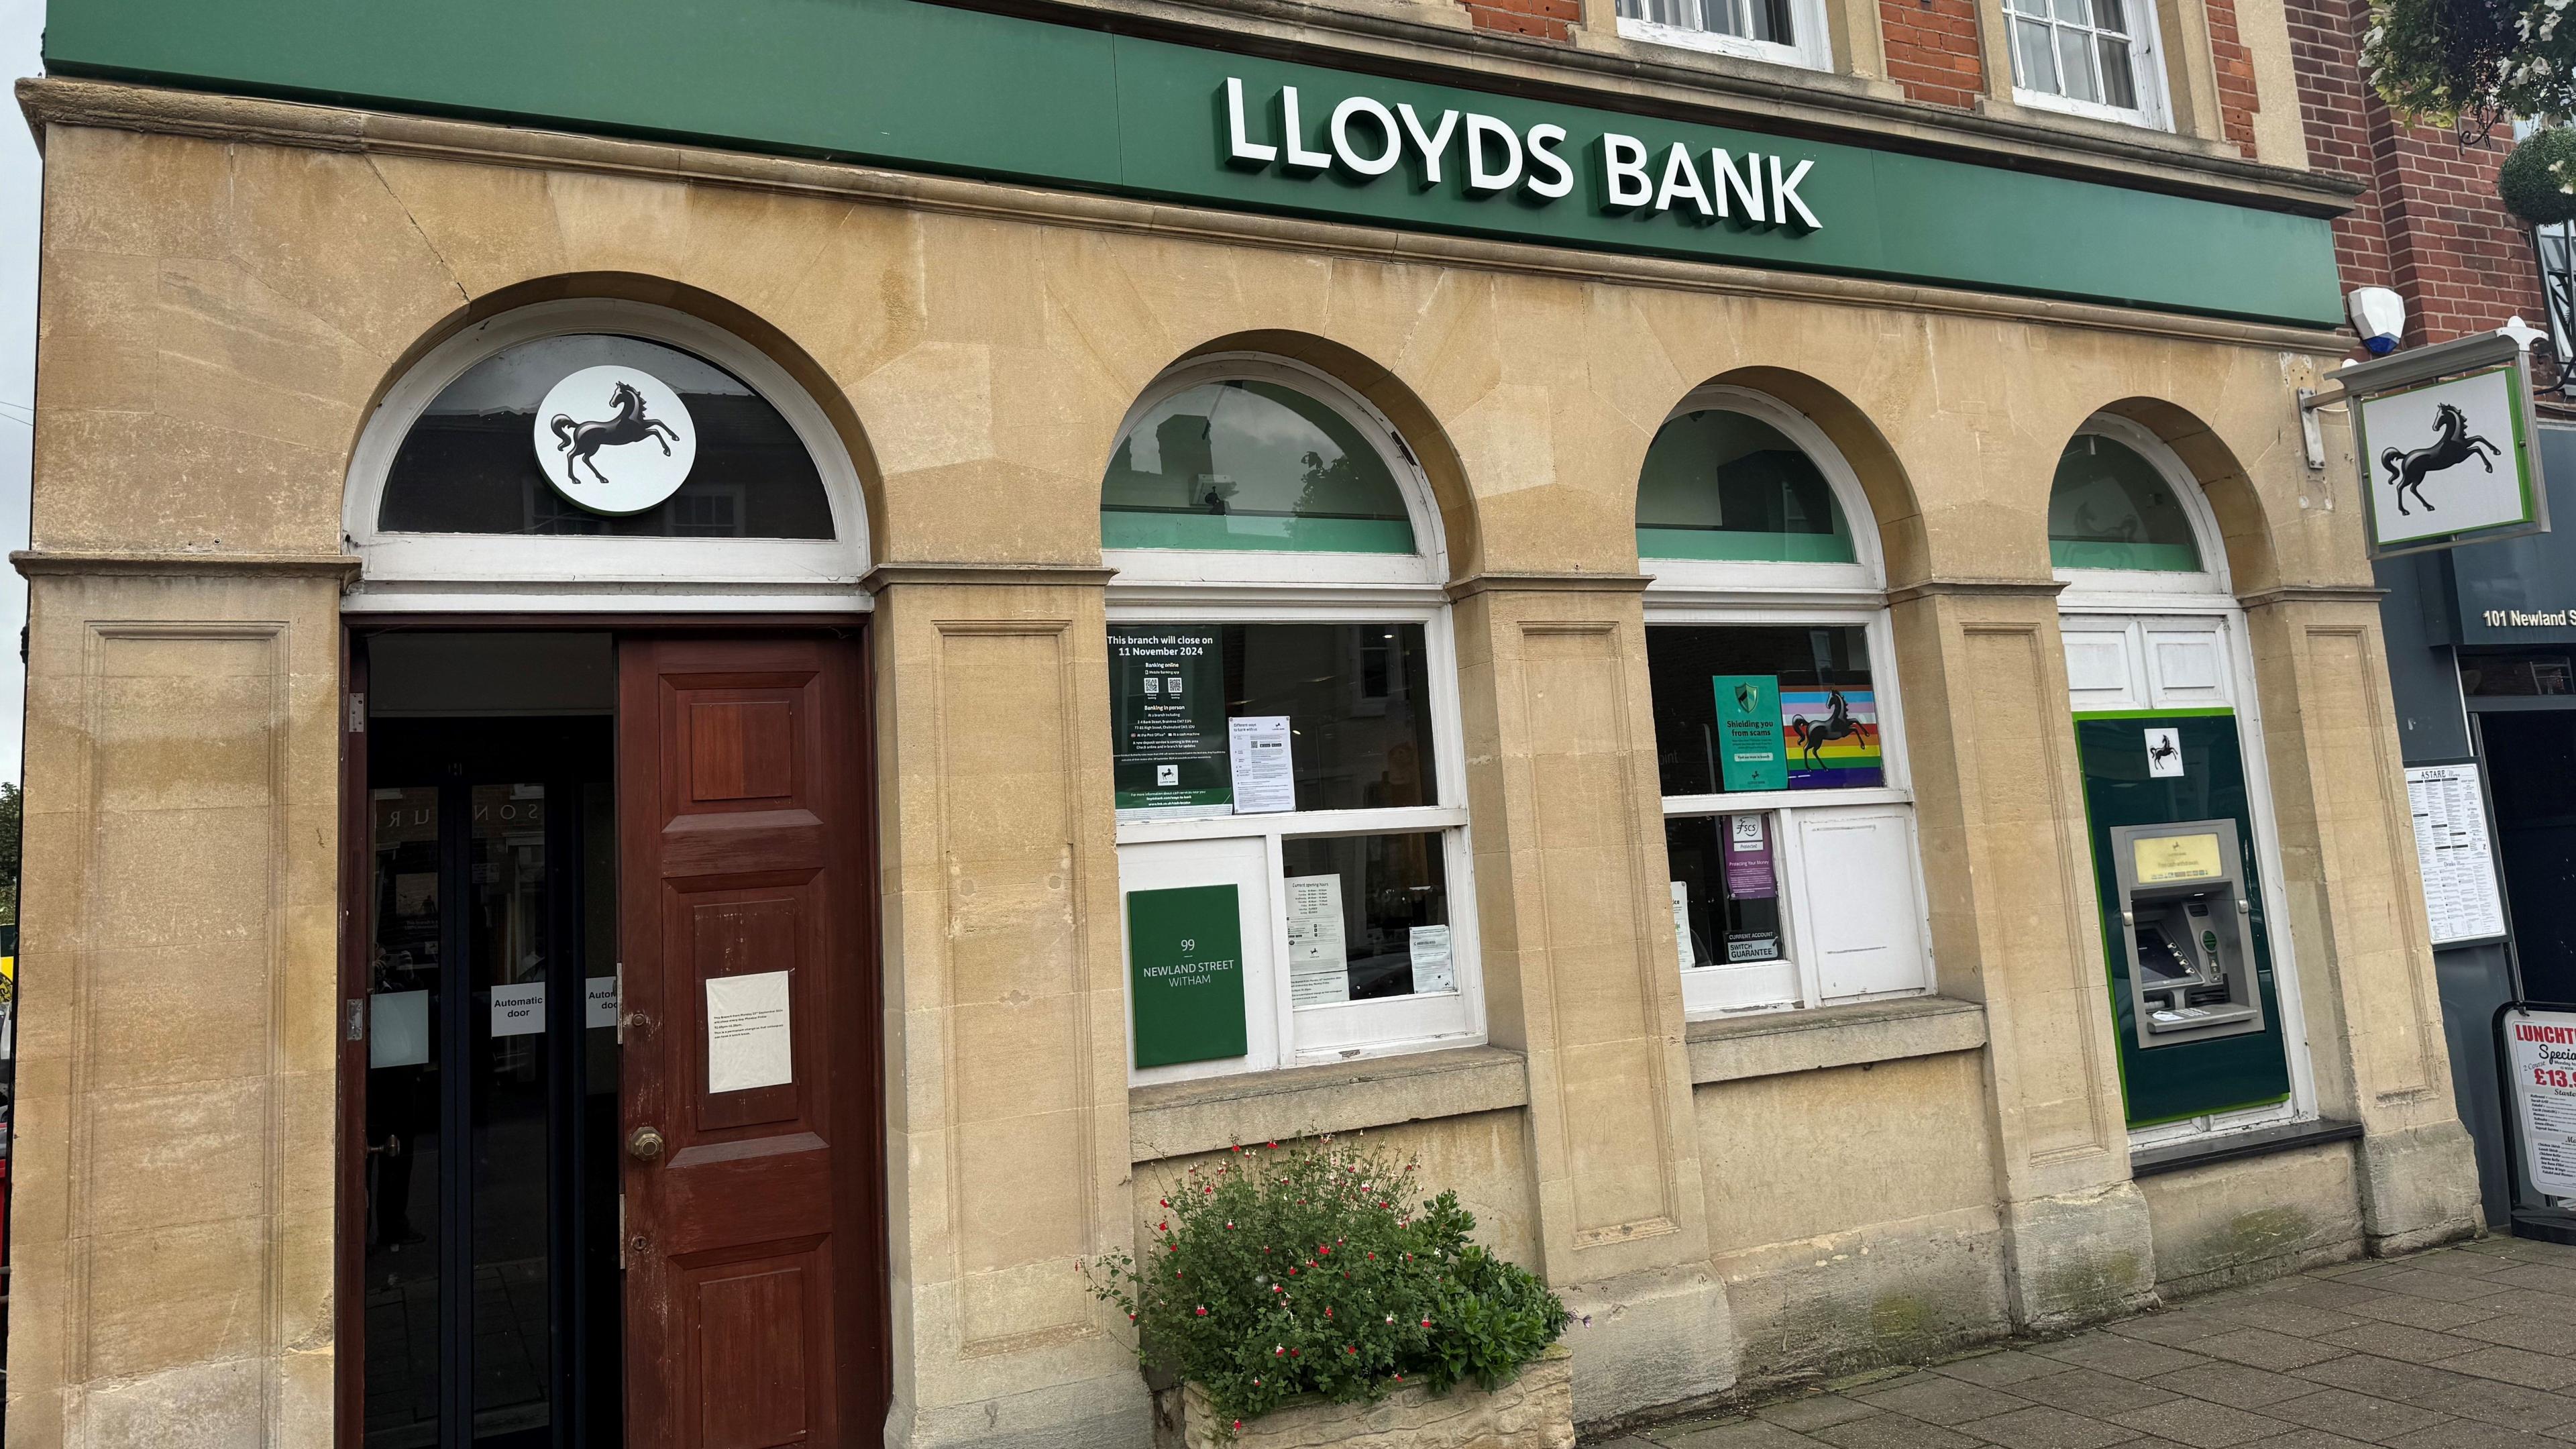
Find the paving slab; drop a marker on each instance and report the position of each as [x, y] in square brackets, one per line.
[2467, 1347]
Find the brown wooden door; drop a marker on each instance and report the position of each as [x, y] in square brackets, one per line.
[754, 1243]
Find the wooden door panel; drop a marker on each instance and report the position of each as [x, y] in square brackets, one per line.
[756, 1322]
[754, 1239]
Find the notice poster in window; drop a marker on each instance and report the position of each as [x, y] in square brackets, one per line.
[1319, 958]
[1748, 732]
[2542, 1045]
[1264, 777]
[1831, 735]
[1681, 924]
[1749, 875]
[1185, 974]
[1432, 966]
[1167, 722]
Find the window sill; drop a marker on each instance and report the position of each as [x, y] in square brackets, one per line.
[1773, 1043]
[1174, 1119]
[2262, 1142]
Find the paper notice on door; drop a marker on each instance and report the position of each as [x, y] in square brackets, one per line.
[599, 1002]
[519, 1010]
[747, 1035]
[1432, 968]
[1264, 780]
[1319, 964]
[398, 1029]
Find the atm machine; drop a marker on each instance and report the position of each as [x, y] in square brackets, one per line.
[2185, 936]
[2183, 916]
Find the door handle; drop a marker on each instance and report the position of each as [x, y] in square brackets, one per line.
[644, 1144]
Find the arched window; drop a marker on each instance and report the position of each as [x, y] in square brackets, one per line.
[610, 454]
[1788, 813]
[1286, 755]
[1721, 482]
[2110, 507]
[2168, 730]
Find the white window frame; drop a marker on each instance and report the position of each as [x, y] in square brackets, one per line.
[2146, 65]
[1795, 595]
[1220, 587]
[2097, 596]
[1812, 50]
[482, 572]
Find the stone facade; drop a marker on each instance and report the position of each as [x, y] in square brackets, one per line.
[231, 286]
[1533, 1411]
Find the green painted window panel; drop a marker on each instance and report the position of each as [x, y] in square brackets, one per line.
[1743, 545]
[2162, 558]
[1132, 529]
[930, 87]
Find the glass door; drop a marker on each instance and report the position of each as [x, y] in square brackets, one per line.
[491, 1273]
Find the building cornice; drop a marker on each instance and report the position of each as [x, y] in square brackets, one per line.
[1547, 583]
[2313, 594]
[985, 575]
[1698, 87]
[1978, 588]
[34, 562]
[114, 105]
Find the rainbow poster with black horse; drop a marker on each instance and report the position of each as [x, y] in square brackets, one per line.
[1831, 736]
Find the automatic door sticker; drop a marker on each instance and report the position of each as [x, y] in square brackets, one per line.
[519, 1010]
[2164, 754]
[615, 439]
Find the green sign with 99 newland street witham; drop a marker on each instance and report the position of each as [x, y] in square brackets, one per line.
[936, 88]
[1185, 974]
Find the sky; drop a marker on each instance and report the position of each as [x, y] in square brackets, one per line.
[21, 24]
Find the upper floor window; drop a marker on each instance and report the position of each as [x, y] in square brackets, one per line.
[2091, 57]
[1789, 32]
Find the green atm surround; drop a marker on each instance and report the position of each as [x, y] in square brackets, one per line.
[2196, 1078]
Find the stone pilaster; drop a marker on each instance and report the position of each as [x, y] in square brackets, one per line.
[2008, 868]
[2365, 962]
[1580, 975]
[178, 974]
[1007, 1088]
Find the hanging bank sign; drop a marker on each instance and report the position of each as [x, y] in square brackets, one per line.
[1364, 138]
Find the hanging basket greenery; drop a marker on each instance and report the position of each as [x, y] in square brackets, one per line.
[2538, 181]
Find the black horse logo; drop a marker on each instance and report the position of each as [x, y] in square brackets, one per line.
[1837, 724]
[2160, 750]
[2452, 443]
[582, 441]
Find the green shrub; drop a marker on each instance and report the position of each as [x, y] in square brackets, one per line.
[2535, 181]
[1316, 1268]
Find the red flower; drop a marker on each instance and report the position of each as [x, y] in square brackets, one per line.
[1274, 1144]
[1202, 1310]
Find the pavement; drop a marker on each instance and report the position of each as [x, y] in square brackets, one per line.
[2470, 1347]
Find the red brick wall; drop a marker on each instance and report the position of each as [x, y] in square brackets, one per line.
[2429, 224]
[1542, 19]
[2238, 99]
[1932, 50]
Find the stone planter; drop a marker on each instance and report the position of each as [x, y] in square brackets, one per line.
[1533, 1411]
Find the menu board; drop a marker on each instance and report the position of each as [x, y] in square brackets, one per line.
[2453, 853]
[2542, 1047]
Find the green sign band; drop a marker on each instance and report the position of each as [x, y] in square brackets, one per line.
[928, 87]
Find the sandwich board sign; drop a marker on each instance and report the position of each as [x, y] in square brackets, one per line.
[2449, 449]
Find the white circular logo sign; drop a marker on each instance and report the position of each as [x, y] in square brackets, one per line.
[615, 439]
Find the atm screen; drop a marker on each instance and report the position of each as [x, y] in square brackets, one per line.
[2158, 958]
